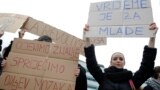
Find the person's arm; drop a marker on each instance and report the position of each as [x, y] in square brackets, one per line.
[21, 33]
[151, 44]
[1, 33]
[91, 61]
[147, 65]
[81, 80]
[8, 49]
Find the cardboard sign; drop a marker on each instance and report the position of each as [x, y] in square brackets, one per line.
[64, 52]
[12, 81]
[31, 47]
[11, 22]
[43, 66]
[58, 36]
[35, 65]
[117, 16]
[45, 49]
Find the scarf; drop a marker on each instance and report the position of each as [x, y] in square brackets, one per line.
[117, 75]
[155, 84]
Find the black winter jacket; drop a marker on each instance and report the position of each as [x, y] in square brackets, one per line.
[81, 81]
[6, 51]
[118, 79]
[148, 88]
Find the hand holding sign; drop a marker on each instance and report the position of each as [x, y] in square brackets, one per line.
[1, 33]
[152, 26]
[88, 41]
[21, 33]
[4, 62]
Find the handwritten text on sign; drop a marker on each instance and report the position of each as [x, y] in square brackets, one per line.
[47, 67]
[33, 70]
[120, 13]
[24, 82]
[46, 49]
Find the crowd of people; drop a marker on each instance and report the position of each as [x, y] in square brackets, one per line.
[114, 77]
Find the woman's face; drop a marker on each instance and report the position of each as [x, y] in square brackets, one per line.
[117, 60]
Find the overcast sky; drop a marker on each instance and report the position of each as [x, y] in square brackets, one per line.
[71, 16]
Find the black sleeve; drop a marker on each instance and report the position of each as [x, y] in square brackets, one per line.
[1, 59]
[147, 65]
[81, 81]
[1, 44]
[7, 50]
[148, 88]
[92, 64]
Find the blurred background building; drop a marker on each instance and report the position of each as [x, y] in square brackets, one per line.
[92, 84]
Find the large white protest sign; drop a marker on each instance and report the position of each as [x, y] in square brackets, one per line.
[120, 18]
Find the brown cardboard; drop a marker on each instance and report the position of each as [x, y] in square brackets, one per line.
[60, 69]
[55, 84]
[30, 47]
[26, 64]
[40, 28]
[44, 49]
[10, 81]
[64, 52]
[43, 66]
[11, 22]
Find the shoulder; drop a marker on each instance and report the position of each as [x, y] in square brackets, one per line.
[146, 87]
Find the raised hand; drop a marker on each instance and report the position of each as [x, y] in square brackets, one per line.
[88, 41]
[21, 33]
[152, 26]
[77, 71]
[3, 64]
[1, 33]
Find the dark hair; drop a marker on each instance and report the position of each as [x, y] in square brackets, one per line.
[156, 72]
[45, 38]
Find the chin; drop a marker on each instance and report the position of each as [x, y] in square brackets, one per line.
[119, 67]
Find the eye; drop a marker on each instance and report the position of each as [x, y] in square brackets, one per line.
[115, 58]
[120, 58]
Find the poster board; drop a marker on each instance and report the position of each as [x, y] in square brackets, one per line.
[27, 71]
[11, 22]
[120, 18]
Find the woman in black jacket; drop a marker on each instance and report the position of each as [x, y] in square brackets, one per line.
[115, 77]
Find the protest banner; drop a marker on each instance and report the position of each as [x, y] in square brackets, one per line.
[120, 18]
[13, 81]
[11, 22]
[28, 68]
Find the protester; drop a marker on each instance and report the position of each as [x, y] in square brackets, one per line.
[153, 83]
[116, 77]
[81, 81]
